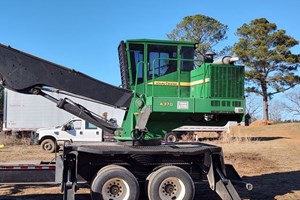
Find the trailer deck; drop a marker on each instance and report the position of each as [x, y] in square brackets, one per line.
[27, 174]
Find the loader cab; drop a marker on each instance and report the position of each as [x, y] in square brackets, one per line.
[147, 65]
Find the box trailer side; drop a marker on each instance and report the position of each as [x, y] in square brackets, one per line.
[27, 113]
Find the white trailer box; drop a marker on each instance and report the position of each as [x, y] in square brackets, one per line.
[27, 113]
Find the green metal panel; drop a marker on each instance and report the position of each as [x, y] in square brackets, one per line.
[202, 105]
[200, 82]
[169, 85]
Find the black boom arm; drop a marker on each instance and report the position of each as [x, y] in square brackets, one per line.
[28, 74]
[22, 72]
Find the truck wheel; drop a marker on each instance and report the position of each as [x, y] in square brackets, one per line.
[171, 137]
[114, 182]
[169, 183]
[48, 145]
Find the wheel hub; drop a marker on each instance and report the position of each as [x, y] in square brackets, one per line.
[170, 188]
[48, 146]
[115, 189]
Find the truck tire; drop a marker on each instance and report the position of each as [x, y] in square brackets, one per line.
[116, 183]
[48, 145]
[170, 182]
[171, 137]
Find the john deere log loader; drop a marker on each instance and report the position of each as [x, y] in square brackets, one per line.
[163, 87]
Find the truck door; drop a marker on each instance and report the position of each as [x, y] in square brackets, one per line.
[72, 130]
[91, 133]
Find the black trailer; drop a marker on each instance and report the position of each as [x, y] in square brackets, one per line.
[117, 171]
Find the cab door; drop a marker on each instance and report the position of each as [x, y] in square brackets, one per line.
[72, 131]
[91, 133]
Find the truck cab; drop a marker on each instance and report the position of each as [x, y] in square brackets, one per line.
[76, 129]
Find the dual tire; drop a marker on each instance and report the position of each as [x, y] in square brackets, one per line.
[114, 182]
[170, 182]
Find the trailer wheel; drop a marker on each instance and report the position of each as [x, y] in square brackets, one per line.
[48, 145]
[170, 182]
[114, 182]
[171, 137]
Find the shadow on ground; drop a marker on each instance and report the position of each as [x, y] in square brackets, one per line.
[257, 139]
[268, 186]
[203, 139]
[266, 138]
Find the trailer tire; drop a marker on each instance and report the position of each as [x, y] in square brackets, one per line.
[170, 182]
[48, 145]
[171, 137]
[116, 183]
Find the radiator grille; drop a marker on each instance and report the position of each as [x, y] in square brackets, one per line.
[227, 81]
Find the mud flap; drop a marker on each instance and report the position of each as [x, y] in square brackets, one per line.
[219, 183]
[235, 178]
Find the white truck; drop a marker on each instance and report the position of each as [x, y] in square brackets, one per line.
[76, 129]
[24, 114]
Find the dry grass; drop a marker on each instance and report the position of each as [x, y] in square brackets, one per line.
[13, 140]
[223, 138]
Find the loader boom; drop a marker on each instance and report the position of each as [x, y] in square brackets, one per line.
[23, 72]
[29, 74]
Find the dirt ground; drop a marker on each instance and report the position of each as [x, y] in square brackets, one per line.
[266, 156]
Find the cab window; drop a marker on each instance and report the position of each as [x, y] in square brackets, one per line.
[187, 53]
[77, 124]
[161, 60]
[90, 126]
[136, 59]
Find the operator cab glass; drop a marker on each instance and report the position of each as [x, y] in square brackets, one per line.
[162, 60]
[151, 59]
[137, 62]
[187, 56]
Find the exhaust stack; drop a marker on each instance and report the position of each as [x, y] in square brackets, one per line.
[226, 60]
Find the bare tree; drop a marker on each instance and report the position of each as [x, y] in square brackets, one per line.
[293, 102]
[275, 111]
[253, 106]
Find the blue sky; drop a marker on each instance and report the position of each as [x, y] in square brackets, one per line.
[84, 35]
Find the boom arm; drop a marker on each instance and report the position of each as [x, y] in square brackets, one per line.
[21, 72]
[27, 74]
